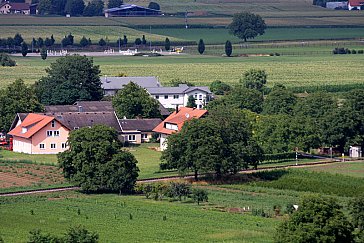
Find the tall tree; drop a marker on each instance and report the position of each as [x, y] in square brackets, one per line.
[16, 98]
[279, 101]
[201, 47]
[134, 101]
[95, 161]
[154, 5]
[84, 41]
[24, 49]
[75, 7]
[94, 8]
[219, 88]
[247, 25]
[318, 219]
[243, 98]
[18, 39]
[69, 79]
[44, 7]
[167, 44]
[114, 3]
[43, 53]
[228, 48]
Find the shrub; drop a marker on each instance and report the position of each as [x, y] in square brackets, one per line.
[6, 61]
[353, 51]
[360, 51]
[200, 195]
[277, 54]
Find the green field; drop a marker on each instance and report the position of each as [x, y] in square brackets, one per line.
[354, 169]
[219, 220]
[292, 71]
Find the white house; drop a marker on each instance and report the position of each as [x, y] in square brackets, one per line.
[173, 97]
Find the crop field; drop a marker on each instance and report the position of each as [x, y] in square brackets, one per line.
[354, 169]
[292, 71]
[227, 216]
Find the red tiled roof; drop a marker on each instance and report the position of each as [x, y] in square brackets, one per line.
[356, 3]
[33, 123]
[179, 118]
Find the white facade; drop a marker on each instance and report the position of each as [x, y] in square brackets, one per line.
[21, 145]
[355, 152]
[163, 141]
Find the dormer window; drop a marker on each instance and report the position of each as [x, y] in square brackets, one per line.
[171, 126]
[24, 130]
[53, 123]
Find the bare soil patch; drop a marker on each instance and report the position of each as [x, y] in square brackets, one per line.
[23, 175]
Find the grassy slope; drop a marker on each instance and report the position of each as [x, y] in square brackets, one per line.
[292, 71]
[354, 169]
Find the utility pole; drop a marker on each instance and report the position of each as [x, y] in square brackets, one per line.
[119, 40]
[186, 19]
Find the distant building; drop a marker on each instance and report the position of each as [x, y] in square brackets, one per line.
[130, 10]
[355, 152]
[356, 5]
[173, 97]
[337, 5]
[14, 8]
[175, 121]
[112, 84]
[138, 130]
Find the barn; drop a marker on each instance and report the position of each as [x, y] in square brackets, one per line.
[126, 10]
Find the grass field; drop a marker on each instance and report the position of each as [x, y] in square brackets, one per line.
[222, 219]
[292, 71]
[353, 169]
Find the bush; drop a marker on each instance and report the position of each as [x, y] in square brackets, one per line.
[353, 51]
[277, 54]
[361, 52]
[200, 195]
[6, 61]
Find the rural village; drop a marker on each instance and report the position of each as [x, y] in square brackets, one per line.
[190, 121]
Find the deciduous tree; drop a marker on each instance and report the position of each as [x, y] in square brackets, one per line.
[191, 102]
[69, 79]
[114, 3]
[134, 101]
[247, 25]
[74, 7]
[279, 101]
[254, 79]
[219, 88]
[95, 161]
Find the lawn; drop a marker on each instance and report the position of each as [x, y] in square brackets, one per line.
[354, 169]
[292, 71]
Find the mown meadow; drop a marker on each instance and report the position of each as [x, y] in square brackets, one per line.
[225, 217]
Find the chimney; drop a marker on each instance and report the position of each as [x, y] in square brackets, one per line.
[80, 108]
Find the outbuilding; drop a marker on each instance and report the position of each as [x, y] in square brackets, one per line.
[126, 10]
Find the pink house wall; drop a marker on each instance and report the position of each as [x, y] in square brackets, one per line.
[41, 138]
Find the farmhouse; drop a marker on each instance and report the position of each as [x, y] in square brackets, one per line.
[40, 134]
[356, 4]
[112, 84]
[130, 10]
[138, 130]
[173, 97]
[14, 8]
[175, 121]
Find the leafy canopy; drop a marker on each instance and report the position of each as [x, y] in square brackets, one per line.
[69, 79]
[134, 101]
[247, 25]
[95, 161]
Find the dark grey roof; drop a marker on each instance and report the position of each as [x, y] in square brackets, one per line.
[163, 110]
[181, 89]
[85, 106]
[143, 125]
[76, 120]
[117, 83]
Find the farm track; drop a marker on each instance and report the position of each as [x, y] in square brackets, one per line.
[168, 178]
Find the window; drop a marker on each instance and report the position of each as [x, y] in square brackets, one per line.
[76, 128]
[56, 133]
[131, 138]
[53, 146]
[49, 133]
[64, 145]
[144, 136]
[200, 97]
[171, 126]
[53, 123]
[41, 146]
[200, 106]
[175, 96]
[157, 97]
[166, 97]
[195, 96]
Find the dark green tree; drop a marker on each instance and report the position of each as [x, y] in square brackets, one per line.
[125, 40]
[69, 79]
[144, 41]
[58, 7]
[219, 88]
[318, 219]
[228, 48]
[80, 234]
[154, 5]
[356, 207]
[254, 79]
[191, 102]
[24, 49]
[84, 41]
[53, 40]
[18, 39]
[201, 47]
[243, 98]
[167, 44]
[94, 8]
[200, 195]
[102, 42]
[138, 41]
[6, 61]
[17, 98]
[43, 53]
[279, 101]
[114, 3]
[40, 42]
[96, 163]
[48, 42]
[44, 7]
[74, 7]
[34, 43]
[134, 101]
[247, 25]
